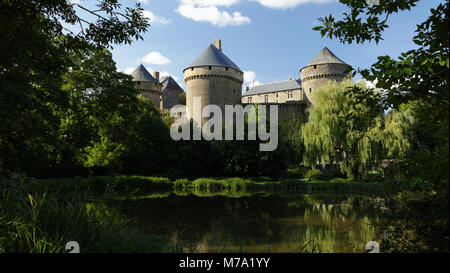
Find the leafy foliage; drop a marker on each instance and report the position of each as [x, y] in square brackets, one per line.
[36, 54]
[342, 128]
[415, 84]
[419, 76]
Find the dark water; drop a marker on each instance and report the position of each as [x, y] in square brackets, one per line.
[269, 222]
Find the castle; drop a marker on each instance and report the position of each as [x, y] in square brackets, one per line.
[162, 93]
[324, 67]
[216, 79]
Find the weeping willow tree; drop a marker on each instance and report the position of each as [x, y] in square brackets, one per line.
[397, 132]
[345, 127]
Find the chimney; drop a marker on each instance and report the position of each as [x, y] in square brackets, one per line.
[218, 44]
[156, 75]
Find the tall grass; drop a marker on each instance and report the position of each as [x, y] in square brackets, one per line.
[36, 222]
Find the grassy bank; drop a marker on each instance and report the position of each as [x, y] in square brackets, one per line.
[35, 220]
[137, 185]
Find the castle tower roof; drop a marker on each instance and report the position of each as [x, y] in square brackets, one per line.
[212, 56]
[169, 82]
[141, 74]
[325, 56]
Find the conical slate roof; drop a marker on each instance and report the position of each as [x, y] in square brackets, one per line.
[169, 82]
[141, 74]
[325, 56]
[212, 56]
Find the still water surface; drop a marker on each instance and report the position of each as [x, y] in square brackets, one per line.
[264, 222]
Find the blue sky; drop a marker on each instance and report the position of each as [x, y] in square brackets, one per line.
[270, 40]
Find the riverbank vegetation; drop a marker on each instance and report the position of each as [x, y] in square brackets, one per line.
[34, 221]
[135, 185]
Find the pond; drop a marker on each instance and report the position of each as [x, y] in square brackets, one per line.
[262, 222]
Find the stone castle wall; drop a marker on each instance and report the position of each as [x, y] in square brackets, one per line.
[214, 84]
[151, 91]
[275, 97]
[170, 97]
[315, 76]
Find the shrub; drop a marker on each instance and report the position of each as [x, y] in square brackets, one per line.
[297, 172]
[341, 180]
[314, 175]
[181, 184]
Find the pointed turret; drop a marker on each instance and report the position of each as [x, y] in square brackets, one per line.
[325, 56]
[323, 68]
[169, 82]
[212, 55]
[214, 79]
[142, 74]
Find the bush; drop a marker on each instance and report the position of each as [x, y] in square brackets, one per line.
[297, 172]
[314, 175]
[181, 184]
[341, 180]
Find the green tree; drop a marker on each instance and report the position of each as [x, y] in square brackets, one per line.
[418, 81]
[98, 99]
[343, 129]
[138, 143]
[182, 98]
[419, 75]
[291, 137]
[105, 123]
[34, 48]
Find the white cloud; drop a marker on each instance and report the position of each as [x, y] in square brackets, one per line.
[143, 1]
[369, 84]
[153, 18]
[206, 3]
[249, 76]
[72, 2]
[208, 11]
[127, 70]
[285, 4]
[155, 58]
[255, 83]
[250, 79]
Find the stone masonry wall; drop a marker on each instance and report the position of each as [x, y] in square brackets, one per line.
[274, 97]
[151, 91]
[316, 76]
[215, 85]
[170, 97]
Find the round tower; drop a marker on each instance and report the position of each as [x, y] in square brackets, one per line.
[323, 68]
[149, 86]
[214, 78]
